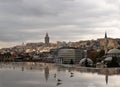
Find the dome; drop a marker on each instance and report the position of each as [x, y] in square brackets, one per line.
[113, 51]
[108, 59]
[86, 62]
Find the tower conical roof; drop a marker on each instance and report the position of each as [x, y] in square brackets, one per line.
[105, 35]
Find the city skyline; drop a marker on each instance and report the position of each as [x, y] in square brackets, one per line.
[64, 20]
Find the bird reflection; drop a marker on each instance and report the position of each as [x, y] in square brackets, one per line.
[71, 75]
[13, 67]
[46, 72]
[69, 69]
[22, 68]
[106, 75]
[31, 68]
[58, 84]
[55, 75]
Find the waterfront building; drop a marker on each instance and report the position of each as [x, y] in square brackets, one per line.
[70, 55]
[111, 57]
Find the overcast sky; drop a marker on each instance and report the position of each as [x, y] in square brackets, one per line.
[64, 20]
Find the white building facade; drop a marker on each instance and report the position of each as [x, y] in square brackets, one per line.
[70, 54]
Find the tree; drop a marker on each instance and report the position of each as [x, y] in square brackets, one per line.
[92, 55]
[101, 53]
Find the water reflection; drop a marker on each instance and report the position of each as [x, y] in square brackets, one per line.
[55, 75]
[106, 76]
[51, 75]
[22, 68]
[46, 72]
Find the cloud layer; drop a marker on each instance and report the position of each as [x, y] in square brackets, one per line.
[69, 20]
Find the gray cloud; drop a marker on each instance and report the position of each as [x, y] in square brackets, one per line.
[69, 20]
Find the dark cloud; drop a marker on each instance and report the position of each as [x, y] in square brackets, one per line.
[22, 20]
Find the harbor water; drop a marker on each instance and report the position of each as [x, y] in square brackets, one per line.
[32, 74]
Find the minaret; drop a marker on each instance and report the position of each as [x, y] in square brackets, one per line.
[47, 40]
[105, 43]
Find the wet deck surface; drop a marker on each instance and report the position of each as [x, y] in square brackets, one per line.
[51, 75]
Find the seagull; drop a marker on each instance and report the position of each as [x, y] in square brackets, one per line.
[59, 80]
